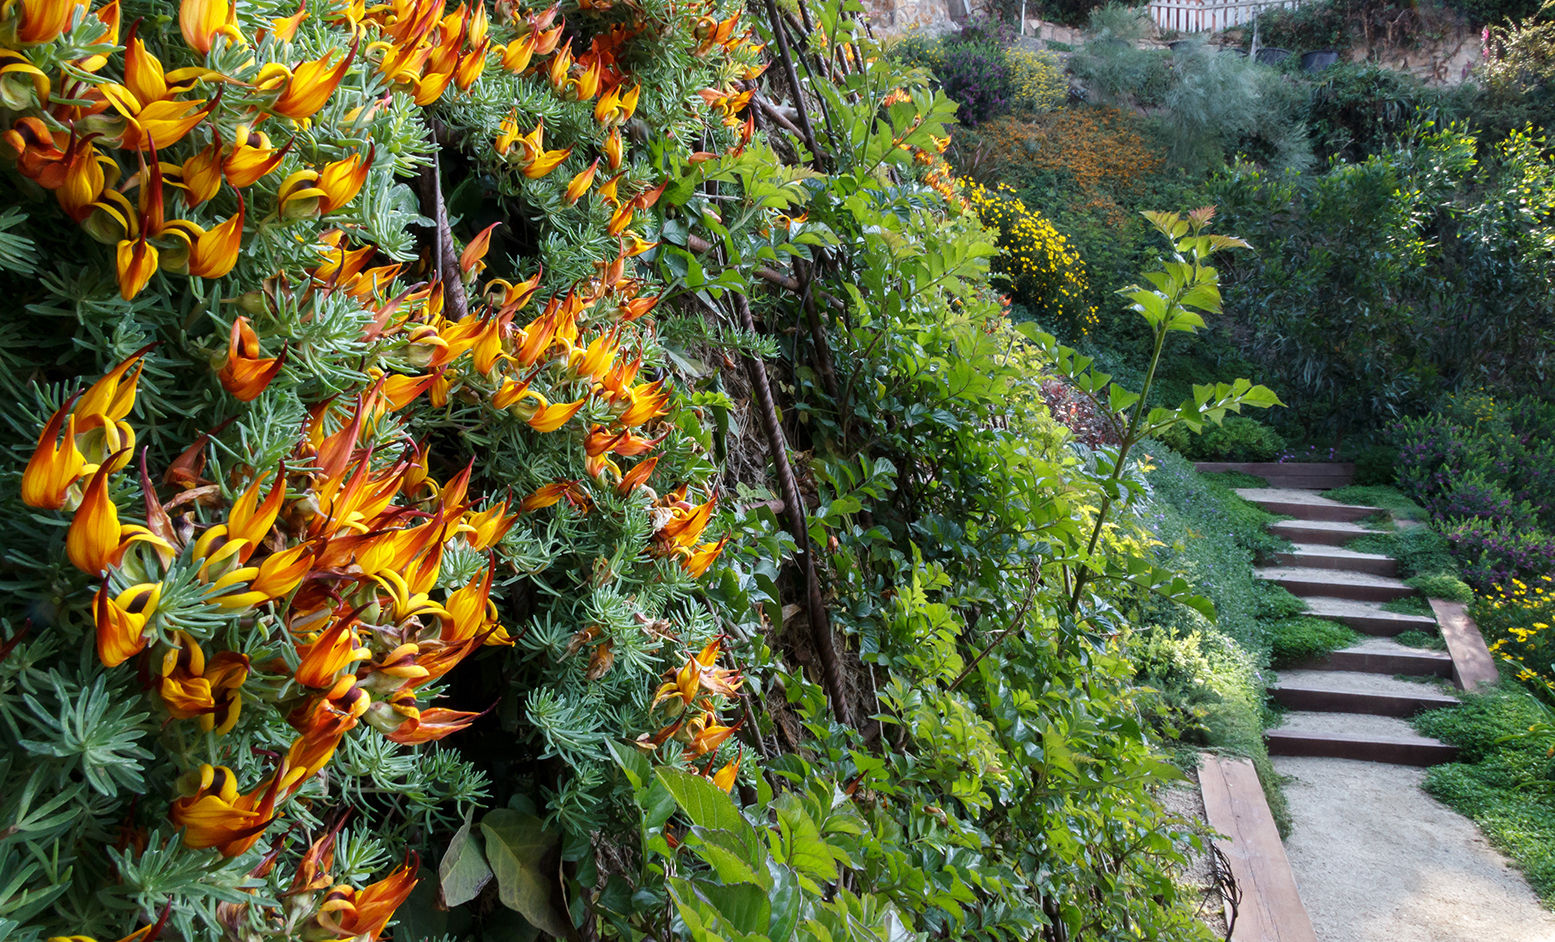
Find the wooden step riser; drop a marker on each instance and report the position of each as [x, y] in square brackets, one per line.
[1352, 593]
[1308, 475]
[1374, 567]
[1395, 753]
[1303, 535]
[1336, 513]
[1346, 701]
[1379, 627]
[1365, 662]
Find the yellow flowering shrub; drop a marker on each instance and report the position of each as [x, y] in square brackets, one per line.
[1038, 79]
[1042, 270]
[1516, 618]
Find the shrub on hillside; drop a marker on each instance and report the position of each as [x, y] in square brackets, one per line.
[1493, 553]
[1480, 456]
[984, 73]
[1239, 438]
[1206, 104]
[1355, 110]
[1042, 271]
[1433, 260]
[977, 76]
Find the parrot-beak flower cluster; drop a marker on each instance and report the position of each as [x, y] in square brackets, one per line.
[693, 695]
[335, 561]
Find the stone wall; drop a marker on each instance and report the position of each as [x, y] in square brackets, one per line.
[931, 16]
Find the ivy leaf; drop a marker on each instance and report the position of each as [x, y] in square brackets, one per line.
[516, 847]
[463, 872]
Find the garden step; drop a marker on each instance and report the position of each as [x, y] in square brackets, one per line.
[1317, 556]
[1327, 532]
[1332, 583]
[1383, 656]
[1367, 617]
[1304, 504]
[1307, 475]
[1356, 736]
[1352, 692]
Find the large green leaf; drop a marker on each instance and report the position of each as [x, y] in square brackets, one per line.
[516, 848]
[463, 871]
[706, 804]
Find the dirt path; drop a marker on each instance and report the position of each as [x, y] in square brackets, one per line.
[1378, 860]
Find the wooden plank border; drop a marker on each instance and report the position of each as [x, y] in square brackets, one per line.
[1234, 804]
[1309, 475]
[1472, 665]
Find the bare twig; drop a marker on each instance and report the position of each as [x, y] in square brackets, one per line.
[1020, 616]
[777, 445]
[446, 259]
[775, 20]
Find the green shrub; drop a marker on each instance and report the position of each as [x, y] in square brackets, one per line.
[1359, 109]
[1396, 254]
[1276, 602]
[1442, 585]
[1209, 676]
[1419, 550]
[1206, 104]
[985, 73]
[1303, 638]
[1037, 79]
[1239, 438]
[1415, 638]
[1237, 479]
[1497, 763]
[1498, 12]
[1518, 619]
[1384, 496]
[1036, 264]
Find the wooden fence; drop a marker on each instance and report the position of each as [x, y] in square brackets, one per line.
[1198, 16]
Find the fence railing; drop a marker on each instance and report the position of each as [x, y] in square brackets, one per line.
[1198, 16]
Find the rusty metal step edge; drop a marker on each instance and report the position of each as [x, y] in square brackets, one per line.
[1326, 700]
[1340, 590]
[1423, 664]
[1320, 513]
[1306, 535]
[1371, 749]
[1381, 566]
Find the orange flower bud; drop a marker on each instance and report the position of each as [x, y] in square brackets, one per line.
[92, 542]
[246, 374]
[55, 465]
[121, 619]
[213, 813]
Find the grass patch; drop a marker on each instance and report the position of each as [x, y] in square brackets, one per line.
[1303, 637]
[1236, 479]
[1275, 602]
[1502, 776]
[1442, 585]
[1390, 499]
[1419, 550]
[1415, 638]
[1411, 605]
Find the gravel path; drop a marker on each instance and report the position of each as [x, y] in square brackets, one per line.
[1379, 860]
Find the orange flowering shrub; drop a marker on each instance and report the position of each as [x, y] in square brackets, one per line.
[1099, 149]
[298, 470]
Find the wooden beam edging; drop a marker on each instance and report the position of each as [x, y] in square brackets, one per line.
[1472, 665]
[1234, 804]
[1313, 475]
